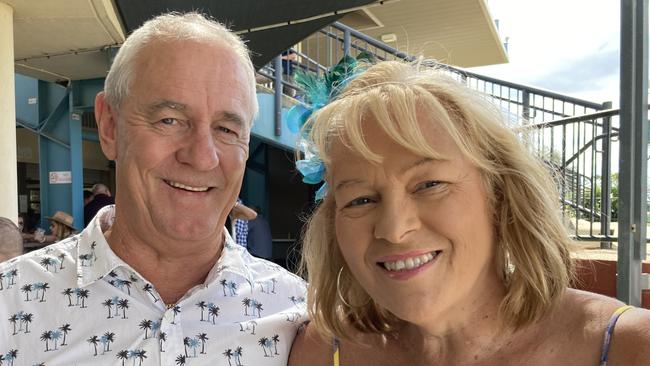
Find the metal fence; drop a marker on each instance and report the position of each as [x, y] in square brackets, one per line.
[577, 139]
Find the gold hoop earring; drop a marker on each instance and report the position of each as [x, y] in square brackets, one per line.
[338, 292]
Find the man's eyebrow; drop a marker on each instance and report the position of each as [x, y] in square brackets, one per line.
[166, 104]
[230, 117]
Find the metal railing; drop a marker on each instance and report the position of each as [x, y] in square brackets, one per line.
[578, 139]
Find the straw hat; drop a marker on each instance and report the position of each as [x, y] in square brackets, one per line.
[62, 218]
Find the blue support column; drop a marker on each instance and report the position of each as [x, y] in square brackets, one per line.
[76, 159]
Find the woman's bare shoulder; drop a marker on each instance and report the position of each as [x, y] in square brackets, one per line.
[310, 348]
[631, 339]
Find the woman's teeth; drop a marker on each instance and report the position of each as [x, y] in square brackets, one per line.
[410, 263]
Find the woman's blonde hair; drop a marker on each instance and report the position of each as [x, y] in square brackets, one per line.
[61, 231]
[533, 254]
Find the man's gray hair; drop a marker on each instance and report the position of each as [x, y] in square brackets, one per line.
[100, 188]
[168, 28]
[11, 241]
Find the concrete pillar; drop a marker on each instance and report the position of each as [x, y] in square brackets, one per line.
[8, 169]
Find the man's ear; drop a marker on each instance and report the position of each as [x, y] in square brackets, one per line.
[106, 118]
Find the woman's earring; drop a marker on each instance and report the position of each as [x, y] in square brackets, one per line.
[338, 292]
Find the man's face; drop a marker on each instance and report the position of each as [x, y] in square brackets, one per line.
[180, 141]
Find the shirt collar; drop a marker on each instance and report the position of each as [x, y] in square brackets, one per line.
[96, 259]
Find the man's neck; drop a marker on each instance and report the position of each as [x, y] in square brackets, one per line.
[173, 268]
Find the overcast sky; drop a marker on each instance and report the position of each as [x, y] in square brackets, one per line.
[567, 46]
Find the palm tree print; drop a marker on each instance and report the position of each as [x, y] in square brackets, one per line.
[202, 337]
[246, 302]
[259, 308]
[108, 303]
[224, 284]
[11, 356]
[13, 319]
[149, 289]
[27, 289]
[276, 340]
[94, 340]
[85, 258]
[2, 276]
[140, 355]
[123, 304]
[61, 259]
[122, 355]
[228, 353]
[180, 360]
[40, 286]
[264, 343]
[202, 305]
[155, 327]
[186, 343]
[26, 318]
[146, 325]
[239, 352]
[233, 288]
[213, 312]
[56, 335]
[46, 262]
[65, 328]
[46, 337]
[107, 339]
[193, 344]
[83, 295]
[162, 337]
[68, 292]
[176, 310]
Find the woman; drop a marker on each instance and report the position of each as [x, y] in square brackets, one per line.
[439, 241]
[60, 228]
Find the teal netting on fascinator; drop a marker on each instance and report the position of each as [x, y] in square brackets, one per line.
[318, 91]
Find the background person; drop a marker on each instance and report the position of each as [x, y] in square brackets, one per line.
[61, 227]
[11, 241]
[165, 283]
[259, 239]
[101, 197]
[440, 240]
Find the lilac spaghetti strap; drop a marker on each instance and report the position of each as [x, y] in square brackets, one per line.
[604, 354]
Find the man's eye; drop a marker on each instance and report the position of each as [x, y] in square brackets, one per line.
[225, 129]
[168, 121]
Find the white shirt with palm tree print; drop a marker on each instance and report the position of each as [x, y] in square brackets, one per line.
[77, 303]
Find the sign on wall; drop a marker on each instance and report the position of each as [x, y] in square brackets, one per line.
[63, 177]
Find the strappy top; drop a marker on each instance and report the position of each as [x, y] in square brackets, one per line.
[604, 354]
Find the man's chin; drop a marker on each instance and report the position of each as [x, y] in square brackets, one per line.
[193, 231]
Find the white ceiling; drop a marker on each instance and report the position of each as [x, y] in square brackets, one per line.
[71, 39]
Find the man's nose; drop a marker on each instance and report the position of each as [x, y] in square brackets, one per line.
[200, 150]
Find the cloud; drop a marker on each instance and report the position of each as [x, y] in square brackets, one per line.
[581, 74]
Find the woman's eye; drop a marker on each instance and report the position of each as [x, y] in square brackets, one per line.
[428, 184]
[359, 202]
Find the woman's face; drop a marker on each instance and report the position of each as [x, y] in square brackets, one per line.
[415, 232]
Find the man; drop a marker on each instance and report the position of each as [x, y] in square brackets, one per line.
[11, 241]
[101, 197]
[164, 284]
[259, 239]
